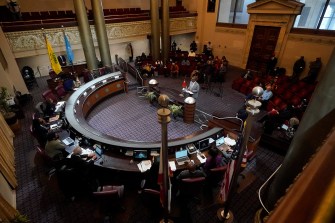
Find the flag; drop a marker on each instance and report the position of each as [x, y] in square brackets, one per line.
[161, 179]
[53, 59]
[245, 159]
[69, 51]
[184, 85]
[226, 182]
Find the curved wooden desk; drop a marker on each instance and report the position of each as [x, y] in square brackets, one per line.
[83, 100]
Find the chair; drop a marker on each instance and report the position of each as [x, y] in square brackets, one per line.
[192, 187]
[47, 162]
[60, 91]
[68, 85]
[29, 77]
[48, 94]
[216, 174]
[109, 198]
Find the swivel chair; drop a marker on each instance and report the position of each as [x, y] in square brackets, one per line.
[48, 94]
[215, 175]
[109, 198]
[61, 93]
[192, 187]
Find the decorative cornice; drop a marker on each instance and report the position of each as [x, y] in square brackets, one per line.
[231, 30]
[33, 43]
[312, 39]
[185, 24]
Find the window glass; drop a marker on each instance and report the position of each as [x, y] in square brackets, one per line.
[228, 7]
[310, 14]
[329, 18]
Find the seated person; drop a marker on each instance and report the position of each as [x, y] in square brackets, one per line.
[54, 148]
[185, 62]
[266, 96]
[81, 165]
[40, 130]
[50, 107]
[174, 70]
[214, 159]
[190, 172]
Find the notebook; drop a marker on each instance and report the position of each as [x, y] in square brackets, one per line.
[181, 157]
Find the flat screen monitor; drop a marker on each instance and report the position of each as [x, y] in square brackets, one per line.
[204, 144]
[140, 154]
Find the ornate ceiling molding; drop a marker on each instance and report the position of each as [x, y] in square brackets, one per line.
[32, 42]
[312, 39]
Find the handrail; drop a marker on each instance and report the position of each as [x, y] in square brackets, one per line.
[260, 189]
[135, 73]
[224, 118]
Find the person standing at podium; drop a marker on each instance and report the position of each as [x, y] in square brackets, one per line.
[194, 85]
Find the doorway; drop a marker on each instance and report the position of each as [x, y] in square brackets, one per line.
[263, 45]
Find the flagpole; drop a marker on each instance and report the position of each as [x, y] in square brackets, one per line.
[224, 214]
[164, 118]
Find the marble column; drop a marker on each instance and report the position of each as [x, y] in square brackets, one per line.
[317, 122]
[165, 31]
[85, 35]
[100, 29]
[155, 30]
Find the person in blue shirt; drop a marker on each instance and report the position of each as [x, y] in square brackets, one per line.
[266, 96]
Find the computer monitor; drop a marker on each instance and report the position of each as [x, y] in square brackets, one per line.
[140, 154]
[204, 144]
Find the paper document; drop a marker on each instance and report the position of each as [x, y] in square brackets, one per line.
[172, 165]
[202, 160]
[144, 165]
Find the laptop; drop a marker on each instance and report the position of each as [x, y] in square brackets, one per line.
[140, 154]
[68, 141]
[219, 141]
[204, 144]
[181, 157]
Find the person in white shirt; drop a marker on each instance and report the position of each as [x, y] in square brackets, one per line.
[194, 86]
[191, 54]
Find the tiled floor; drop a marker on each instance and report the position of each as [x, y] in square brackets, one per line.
[42, 201]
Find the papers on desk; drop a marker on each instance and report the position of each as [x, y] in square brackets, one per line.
[172, 165]
[59, 106]
[144, 165]
[54, 118]
[229, 141]
[202, 160]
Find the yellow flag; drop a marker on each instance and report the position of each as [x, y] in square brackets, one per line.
[53, 59]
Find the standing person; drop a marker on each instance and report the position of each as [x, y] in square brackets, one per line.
[174, 46]
[298, 68]
[194, 85]
[271, 64]
[209, 50]
[193, 46]
[314, 68]
[174, 70]
[14, 8]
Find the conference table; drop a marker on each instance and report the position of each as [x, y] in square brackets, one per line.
[85, 98]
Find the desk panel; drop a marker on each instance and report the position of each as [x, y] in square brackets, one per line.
[89, 95]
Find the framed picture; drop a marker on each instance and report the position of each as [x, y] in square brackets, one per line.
[211, 5]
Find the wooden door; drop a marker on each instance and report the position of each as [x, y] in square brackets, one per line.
[263, 44]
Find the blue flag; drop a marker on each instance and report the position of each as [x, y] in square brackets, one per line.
[69, 52]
